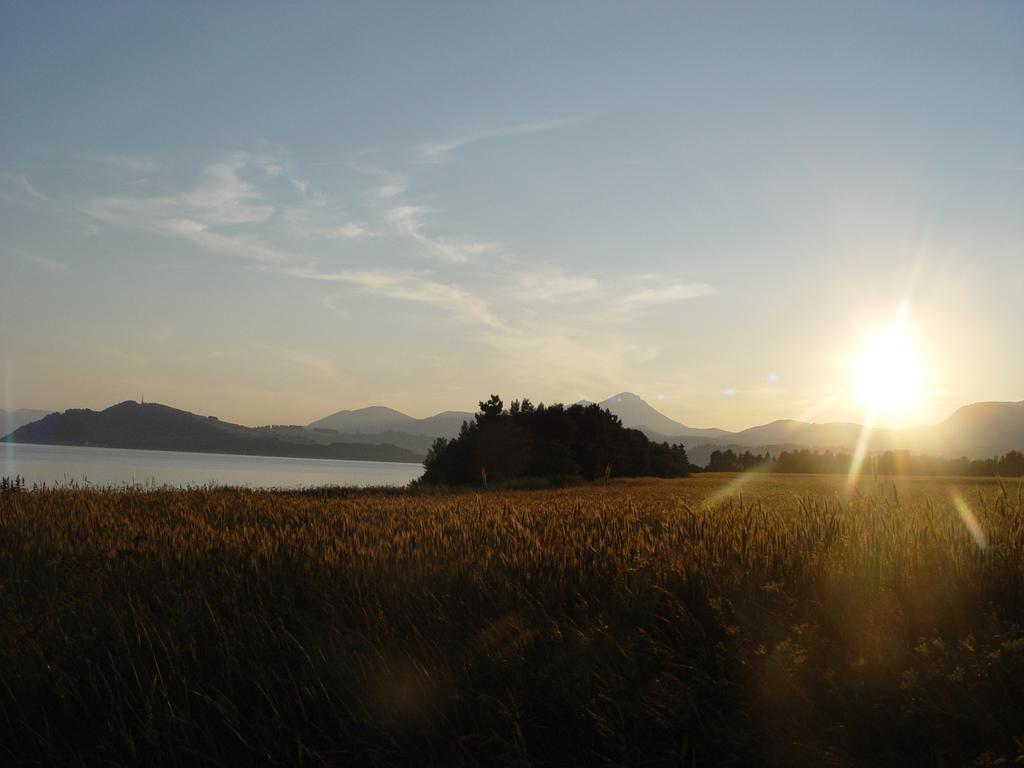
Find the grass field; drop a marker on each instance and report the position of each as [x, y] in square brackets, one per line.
[699, 621]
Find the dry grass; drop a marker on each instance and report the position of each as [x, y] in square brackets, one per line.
[638, 623]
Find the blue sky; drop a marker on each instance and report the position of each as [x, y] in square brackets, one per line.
[269, 213]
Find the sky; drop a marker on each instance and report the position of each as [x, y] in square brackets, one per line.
[270, 212]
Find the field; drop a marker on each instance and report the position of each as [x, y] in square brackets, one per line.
[705, 621]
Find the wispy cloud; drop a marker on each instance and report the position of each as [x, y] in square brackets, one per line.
[388, 183]
[391, 185]
[664, 294]
[227, 213]
[439, 151]
[253, 209]
[26, 193]
[319, 364]
[552, 284]
[223, 197]
[228, 195]
[408, 220]
[24, 186]
[573, 356]
[318, 215]
[235, 245]
[353, 230]
[45, 262]
[333, 304]
[619, 296]
[405, 286]
[134, 163]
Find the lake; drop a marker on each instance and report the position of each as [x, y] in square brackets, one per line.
[115, 467]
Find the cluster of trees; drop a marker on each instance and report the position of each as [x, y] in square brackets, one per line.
[1010, 464]
[889, 463]
[557, 443]
[730, 461]
[788, 461]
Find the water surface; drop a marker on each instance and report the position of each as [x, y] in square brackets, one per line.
[115, 467]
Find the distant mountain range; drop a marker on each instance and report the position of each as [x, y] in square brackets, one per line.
[981, 430]
[978, 431]
[158, 427]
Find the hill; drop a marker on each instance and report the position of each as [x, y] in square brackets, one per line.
[979, 430]
[378, 418]
[152, 426]
[11, 420]
[418, 444]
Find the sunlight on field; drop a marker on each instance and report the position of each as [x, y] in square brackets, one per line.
[780, 621]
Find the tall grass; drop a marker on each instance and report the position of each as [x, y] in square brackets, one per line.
[633, 623]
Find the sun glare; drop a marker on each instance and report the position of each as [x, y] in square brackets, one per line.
[888, 372]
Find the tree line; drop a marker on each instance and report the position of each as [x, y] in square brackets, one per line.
[1010, 464]
[558, 444]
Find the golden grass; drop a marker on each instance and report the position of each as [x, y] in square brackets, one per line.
[639, 622]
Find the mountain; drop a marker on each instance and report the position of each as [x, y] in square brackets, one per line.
[632, 410]
[778, 436]
[11, 420]
[153, 426]
[827, 435]
[418, 444]
[378, 418]
[636, 413]
[979, 430]
[444, 424]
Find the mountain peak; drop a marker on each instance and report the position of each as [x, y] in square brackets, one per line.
[627, 397]
[379, 410]
[637, 413]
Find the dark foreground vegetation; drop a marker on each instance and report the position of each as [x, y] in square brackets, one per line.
[558, 444]
[634, 623]
[1009, 465]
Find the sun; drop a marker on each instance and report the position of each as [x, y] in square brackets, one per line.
[888, 371]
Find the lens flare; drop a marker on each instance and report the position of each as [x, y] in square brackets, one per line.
[968, 518]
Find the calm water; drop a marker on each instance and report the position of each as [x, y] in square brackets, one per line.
[60, 464]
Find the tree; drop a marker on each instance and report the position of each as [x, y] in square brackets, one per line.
[491, 408]
[556, 442]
